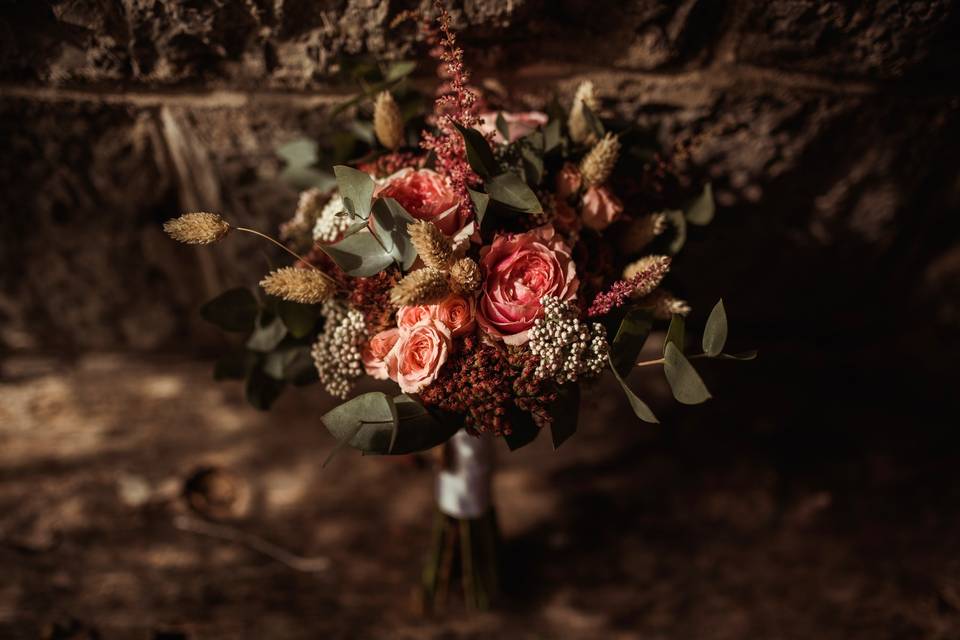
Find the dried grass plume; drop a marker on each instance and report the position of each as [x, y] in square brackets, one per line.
[435, 249]
[597, 165]
[197, 228]
[642, 231]
[580, 129]
[307, 286]
[387, 121]
[423, 286]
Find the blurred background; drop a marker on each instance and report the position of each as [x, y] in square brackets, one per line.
[815, 496]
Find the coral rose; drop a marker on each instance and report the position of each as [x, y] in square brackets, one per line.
[457, 313]
[418, 354]
[518, 270]
[375, 353]
[410, 315]
[426, 195]
[518, 124]
[600, 208]
[568, 180]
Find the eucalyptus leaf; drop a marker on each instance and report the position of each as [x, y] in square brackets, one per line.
[399, 69]
[232, 310]
[678, 238]
[355, 186]
[479, 154]
[685, 382]
[418, 429]
[261, 390]
[235, 365]
[269, 332]
[301, 152]
[565, 412]
[298, 318]
[390, 226]
[360, 254]
[510, 189]
[629, 340]
[480, 202]
[301, 370]
[502, 126]
[524, 429]
[551, 136]
[715, 333]
[676, 333]
[639, 407]
[532, 165]
[276, 362]
[702, 209]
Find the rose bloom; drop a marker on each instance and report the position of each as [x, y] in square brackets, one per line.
[456, 312]
[411, 315]
[518, 124]
[599, 208]
[568, 180]
[418, 354]
[519, 269]
[375, 353]
[426, 195]
[565, 217]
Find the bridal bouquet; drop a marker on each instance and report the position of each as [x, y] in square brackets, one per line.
[492, 266]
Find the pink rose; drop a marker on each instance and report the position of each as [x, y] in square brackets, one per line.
[568, 180]
[518, 124]
[519, 269]
[426, 195]
[375, 353]
[565, 218]
[418, 354]
[457, 313]
[409, 316]
[600, 208]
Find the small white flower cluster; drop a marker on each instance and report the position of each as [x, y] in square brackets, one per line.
[567, 348]
[330, 226]
[337, 351]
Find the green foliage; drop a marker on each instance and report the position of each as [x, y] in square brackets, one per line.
[685, 382]
[375, 423]
[629, 339]
[479, 154]
[565, 413]
[525, 430]
[299, 319]
[676, 334]
[267, 333]
[509, 189]
[232, 310]
[356, 189]
[300, 160]
[715, 333]
[480, 202]
[502, 126]
[373, 78]
[678, 232]
[360, 254]
[701, 209]
[639, 407]
[390, 227]
[261, 390]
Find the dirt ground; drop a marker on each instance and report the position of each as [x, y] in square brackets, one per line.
[825, 510]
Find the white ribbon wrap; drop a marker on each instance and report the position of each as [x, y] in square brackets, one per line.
[463, 489]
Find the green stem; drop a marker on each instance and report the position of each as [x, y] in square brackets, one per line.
[648, 363]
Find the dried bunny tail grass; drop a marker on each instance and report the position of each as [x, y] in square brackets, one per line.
[665, 305]
[197, 228]
[465, 276]
[307, 286]
[387, 121]
[422, 286]
[435, 249]
[597, 165]
[580, 129]
[642, 232]
[647, 264]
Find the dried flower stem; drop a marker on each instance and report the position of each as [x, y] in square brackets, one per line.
[281, 245]
[650, 363]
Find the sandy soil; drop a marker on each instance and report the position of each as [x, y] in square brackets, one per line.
[794, 519]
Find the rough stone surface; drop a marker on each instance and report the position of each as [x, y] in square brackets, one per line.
[828, 129]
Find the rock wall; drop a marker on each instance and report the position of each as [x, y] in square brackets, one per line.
[829, 130]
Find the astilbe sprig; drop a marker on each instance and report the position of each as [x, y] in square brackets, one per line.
[642, 283]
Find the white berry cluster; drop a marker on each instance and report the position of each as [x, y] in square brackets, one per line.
[567, 348]
[337, 351]
[330, 226]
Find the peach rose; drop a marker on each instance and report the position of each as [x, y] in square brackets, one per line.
[518, 270]
[600, 208]
[408, 316]
[457, 313]
[418, 354]
[426, 195]
[568, 180]
[375, 353]
[518, 124]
